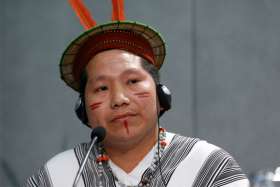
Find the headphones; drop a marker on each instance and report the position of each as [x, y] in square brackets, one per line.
[163, 93]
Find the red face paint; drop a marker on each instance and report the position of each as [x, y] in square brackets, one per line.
[143, 94]
[126, 126]
[95, 105]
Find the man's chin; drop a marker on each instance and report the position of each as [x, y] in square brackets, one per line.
[123, 139]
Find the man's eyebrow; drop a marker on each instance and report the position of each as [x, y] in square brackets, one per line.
[105, 77]
[132, 71]
[98, 78]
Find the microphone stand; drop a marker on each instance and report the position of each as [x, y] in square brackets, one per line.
[93, 141]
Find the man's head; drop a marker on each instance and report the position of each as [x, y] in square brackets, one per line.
[120, 95]
[138, 39]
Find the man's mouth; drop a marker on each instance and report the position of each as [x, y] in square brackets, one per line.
[122, 116]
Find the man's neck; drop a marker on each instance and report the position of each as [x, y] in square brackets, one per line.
[128, 158]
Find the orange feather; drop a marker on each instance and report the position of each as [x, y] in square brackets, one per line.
[118, 10]
[83, 14]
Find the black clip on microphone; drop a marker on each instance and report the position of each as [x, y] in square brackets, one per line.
[97, 135]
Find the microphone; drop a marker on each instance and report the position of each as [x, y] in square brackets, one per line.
[97, 135]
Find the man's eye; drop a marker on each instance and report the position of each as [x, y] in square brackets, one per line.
[132, 81]
[101, 88]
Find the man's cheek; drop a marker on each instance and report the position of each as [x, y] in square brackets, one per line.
[95, 105]
[146, 101]
[95, 111]
[141, 95]
[146, 98]
[146, 86]
[96, 118]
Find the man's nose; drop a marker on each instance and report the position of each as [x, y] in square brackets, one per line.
[119, 97]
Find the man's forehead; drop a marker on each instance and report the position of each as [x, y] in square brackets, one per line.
[101, 75]
[115, 54]
[114, 59]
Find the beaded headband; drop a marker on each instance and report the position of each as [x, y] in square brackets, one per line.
[133, 37]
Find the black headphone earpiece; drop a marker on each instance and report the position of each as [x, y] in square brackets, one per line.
[163, 93]
[80, 110]
[164, 97]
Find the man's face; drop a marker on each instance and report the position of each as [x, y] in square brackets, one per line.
[121, 96]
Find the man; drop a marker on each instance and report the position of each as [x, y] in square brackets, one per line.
[114, 67]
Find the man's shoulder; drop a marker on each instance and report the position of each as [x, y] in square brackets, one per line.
[65, 157]
[54, 171]
[206, 163]
[61, 158]
[195, 144]
[61, 165]
[198, 152]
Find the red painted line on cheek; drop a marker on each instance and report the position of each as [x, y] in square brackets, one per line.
[143, 94]
[95, 105]
[126, 126]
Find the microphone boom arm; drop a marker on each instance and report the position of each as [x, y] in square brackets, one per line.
[84, 161]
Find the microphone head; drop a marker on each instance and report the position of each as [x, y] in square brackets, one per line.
[98, 132]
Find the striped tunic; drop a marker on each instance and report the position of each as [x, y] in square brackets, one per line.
[186, 162]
